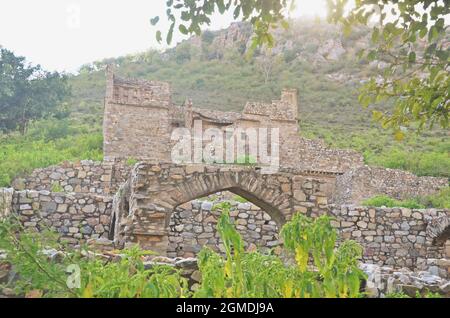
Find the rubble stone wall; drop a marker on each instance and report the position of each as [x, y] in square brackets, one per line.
[193, 226]
[365, 182]
[396, 237]
[77, 217]
[84, 176]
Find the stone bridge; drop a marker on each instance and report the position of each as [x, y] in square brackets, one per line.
[144, 205]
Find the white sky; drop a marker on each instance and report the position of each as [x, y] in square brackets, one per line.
[64, 34]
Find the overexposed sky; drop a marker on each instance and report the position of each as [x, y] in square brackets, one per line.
[64, 34]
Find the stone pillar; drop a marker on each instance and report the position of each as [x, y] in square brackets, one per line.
[290, 96]
[6, 198]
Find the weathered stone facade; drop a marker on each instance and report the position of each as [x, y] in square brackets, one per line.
[156, 190]
[139, 119]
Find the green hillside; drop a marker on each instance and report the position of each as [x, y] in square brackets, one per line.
[215, 72]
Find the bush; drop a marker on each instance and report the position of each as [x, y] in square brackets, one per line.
[241, 274]
[383, 200]
[438, 200]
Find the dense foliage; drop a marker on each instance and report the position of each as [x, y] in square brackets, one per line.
[28, 93]
[47, 143]
[409, 36]
[333, 272]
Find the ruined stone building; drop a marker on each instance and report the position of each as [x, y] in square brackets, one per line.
[161, 205]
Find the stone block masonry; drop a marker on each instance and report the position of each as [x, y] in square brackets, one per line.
[76, 216]
[157, 189]
[139, 118]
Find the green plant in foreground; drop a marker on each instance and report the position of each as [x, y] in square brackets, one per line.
[332, 273]
[321, 269]
[99, 278]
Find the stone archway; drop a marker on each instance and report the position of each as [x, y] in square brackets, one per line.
[156, 189]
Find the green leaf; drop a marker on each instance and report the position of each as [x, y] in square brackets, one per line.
[170, 33]
[377, 115]
[183, 29]
[158, 36]
[399, 135]
[155, 20]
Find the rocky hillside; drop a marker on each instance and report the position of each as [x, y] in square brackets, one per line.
[214, 70]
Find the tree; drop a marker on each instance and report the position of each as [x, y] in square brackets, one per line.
[266, 62]
[28, 93]
[410, 36]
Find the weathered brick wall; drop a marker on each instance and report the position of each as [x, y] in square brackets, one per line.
[77, 217]
[392, 236]
[365, 182]
[194, 225]
[81, 177]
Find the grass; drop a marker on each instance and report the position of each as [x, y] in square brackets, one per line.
[439, 200]
[20, 155]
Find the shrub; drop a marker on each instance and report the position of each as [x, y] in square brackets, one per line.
[241, 274]
[438, 200]
[48, 277]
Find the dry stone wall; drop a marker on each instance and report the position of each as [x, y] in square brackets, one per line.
[76, 216]
[395, 237]
[81, 177]
[365, 182]
[193, 226]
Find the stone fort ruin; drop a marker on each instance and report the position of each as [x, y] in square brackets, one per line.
[138, 195]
